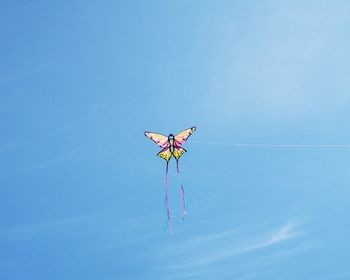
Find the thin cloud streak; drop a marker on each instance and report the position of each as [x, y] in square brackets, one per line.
[273, 258]
[250, 249]
[288, 231]
[74, 123]
[29, 230]
[100, 223]
[25, 74]
[49, 162]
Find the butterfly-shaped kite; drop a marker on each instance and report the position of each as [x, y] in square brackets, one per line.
[171, 146]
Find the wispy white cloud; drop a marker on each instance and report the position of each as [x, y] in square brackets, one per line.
[25, 72]
[25, 231]
[101, 223]
[75, 122]
[286, 232]
[281, 255]
[53, 161]
[254, 247]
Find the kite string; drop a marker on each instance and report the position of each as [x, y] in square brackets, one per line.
[184, 212]
[275, 145]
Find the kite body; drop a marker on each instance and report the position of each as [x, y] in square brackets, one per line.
[171, 147]
[171, 144]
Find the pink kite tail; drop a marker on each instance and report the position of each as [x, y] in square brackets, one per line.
[166, 194]
[182, 191]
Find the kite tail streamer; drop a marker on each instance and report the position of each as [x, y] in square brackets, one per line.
[166, 195]
[182, 191]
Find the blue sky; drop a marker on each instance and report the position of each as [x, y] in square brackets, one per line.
[81, 190]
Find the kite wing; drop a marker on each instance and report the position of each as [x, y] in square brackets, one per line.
[165, 153]
[178, 152]
[181, 137]
[159, 139]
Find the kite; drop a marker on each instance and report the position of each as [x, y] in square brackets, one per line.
[171, 146]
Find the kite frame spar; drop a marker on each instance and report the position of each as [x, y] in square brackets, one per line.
[172, 146]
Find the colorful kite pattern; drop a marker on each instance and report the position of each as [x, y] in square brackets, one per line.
[171, 146]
